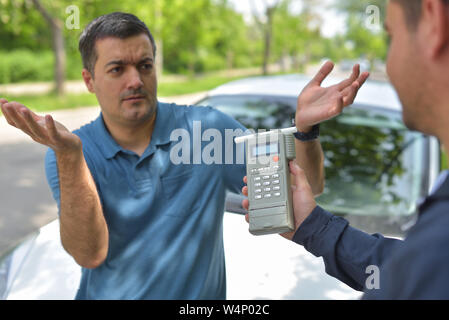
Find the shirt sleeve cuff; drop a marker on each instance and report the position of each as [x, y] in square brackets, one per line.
[319, 231]
[314, 222]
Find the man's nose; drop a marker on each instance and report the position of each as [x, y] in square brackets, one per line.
[134, 80]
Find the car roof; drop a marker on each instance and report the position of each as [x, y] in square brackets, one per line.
[374, 93]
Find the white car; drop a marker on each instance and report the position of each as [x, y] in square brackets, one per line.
[376, 172]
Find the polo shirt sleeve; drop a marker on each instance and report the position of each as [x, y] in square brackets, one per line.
[51, 172]
[233, 168]
[346, 251]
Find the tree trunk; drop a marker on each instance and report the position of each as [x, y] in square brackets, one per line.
[158, 23]
[56, 27]
[268, 35]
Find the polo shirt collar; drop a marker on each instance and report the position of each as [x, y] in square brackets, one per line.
[165, 124]
[440, 191]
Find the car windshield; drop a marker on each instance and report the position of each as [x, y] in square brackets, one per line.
[374, 165]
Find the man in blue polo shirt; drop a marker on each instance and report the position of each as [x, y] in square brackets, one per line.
[141, 225]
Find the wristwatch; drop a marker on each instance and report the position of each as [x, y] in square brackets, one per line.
[309, 136]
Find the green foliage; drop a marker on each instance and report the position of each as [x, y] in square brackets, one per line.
[20, 65]
[193, 36]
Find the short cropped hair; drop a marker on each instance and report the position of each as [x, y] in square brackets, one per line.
[412, 10]
[118, 24]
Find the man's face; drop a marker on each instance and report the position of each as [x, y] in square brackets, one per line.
[125, 79]
[404, 66]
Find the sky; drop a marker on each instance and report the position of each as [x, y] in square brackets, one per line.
[333, 22]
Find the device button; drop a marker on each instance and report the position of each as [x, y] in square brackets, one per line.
[275, 176]
[266, 183]
[276, 158]
[267, 189]
[256, 178]
[275, 181]
[257, 197]
[258, 191]
[266, 177]
[258, 184]
[276, 188]
[277, 194]
[268, 195]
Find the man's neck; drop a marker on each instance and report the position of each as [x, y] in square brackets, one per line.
[134, 138]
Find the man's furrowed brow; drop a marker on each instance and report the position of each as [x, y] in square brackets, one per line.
[122, 62]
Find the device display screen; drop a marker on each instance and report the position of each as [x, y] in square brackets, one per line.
[265, 149]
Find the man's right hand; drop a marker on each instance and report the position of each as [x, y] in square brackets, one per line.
[43, 130]
[303, 199]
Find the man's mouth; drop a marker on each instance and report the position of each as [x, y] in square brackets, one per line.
[134, 98]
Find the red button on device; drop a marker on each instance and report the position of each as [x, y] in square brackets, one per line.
[276, 158]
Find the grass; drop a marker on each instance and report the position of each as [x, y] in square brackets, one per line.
[198, 84]
[50, 101]
[444, 161]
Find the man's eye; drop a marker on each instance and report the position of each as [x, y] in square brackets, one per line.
[115, 70]
[147, 66]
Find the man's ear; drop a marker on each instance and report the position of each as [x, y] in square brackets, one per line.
[88, 80]
[434, 27]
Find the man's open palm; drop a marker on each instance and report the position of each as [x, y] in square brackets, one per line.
[43, 130]
[317, 104]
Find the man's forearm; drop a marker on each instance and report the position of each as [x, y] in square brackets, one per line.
[84, 232]
[309, 156]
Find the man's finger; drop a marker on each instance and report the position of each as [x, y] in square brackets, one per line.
[37, 130]
[51, 127]
[245, 180]
[14, 118]
[245, 190]
[245, 204]
[301, 182]
[325, 70]
[350, 93]
[354, 75]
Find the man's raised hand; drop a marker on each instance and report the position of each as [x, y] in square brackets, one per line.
[43, 130]
[317, 104]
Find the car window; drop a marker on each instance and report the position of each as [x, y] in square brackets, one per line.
[255, 112]
[374, 165]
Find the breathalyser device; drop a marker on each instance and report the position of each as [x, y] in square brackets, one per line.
[268, 180]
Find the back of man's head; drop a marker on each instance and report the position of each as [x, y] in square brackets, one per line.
[118, 24]
[412, 10]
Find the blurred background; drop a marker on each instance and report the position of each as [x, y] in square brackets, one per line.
[202, 42]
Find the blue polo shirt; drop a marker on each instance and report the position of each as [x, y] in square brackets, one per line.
[165, 218]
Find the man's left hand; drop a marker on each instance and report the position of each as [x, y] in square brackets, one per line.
[317, 104]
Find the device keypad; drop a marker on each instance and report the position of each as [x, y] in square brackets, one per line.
[266, 185]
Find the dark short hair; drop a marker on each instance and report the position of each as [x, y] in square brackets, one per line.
[117, 24]
[412, 10]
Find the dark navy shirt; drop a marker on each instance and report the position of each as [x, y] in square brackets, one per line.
[164, 209]
[414, 268]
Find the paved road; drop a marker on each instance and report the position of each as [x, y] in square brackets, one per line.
[26, 202]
